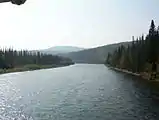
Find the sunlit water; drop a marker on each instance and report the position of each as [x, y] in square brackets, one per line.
[78, 92]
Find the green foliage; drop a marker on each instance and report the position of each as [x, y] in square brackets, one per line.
[136, 56]
[32, 67]
[10, 59]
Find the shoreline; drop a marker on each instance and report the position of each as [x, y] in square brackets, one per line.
[143, 75]
[125, 71]
[25, 69]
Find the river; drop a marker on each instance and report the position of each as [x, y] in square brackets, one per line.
[77, 92]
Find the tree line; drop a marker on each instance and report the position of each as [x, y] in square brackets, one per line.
[10, 58]
[139, 56]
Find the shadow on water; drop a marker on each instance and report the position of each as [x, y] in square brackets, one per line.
[144, 94]
[145, 86]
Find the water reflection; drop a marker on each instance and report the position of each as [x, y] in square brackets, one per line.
[78, 92]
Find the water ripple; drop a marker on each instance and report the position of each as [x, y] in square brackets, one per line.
[79, 92]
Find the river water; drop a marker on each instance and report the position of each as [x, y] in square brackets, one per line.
[77, 92]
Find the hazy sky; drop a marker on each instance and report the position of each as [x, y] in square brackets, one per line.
[41, 24]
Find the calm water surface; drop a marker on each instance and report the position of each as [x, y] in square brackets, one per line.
[78, 92]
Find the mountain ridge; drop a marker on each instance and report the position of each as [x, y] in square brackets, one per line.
[61, 49]
[95, 55]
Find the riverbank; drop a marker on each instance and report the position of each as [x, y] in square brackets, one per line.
[143, 75]
[125, 71]
[31, 67]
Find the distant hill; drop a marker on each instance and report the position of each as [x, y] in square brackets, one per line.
[93, 55]
[61, 49]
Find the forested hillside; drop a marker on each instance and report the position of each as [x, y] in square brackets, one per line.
[94, 55]
[141, 56]
[10, 58]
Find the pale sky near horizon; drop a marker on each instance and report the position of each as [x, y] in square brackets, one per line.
[40, 24]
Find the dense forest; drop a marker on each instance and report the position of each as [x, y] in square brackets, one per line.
[140, 56]
[10, 58]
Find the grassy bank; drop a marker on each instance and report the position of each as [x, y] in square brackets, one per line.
[31, 67]
[143, 75]
[125, 71]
